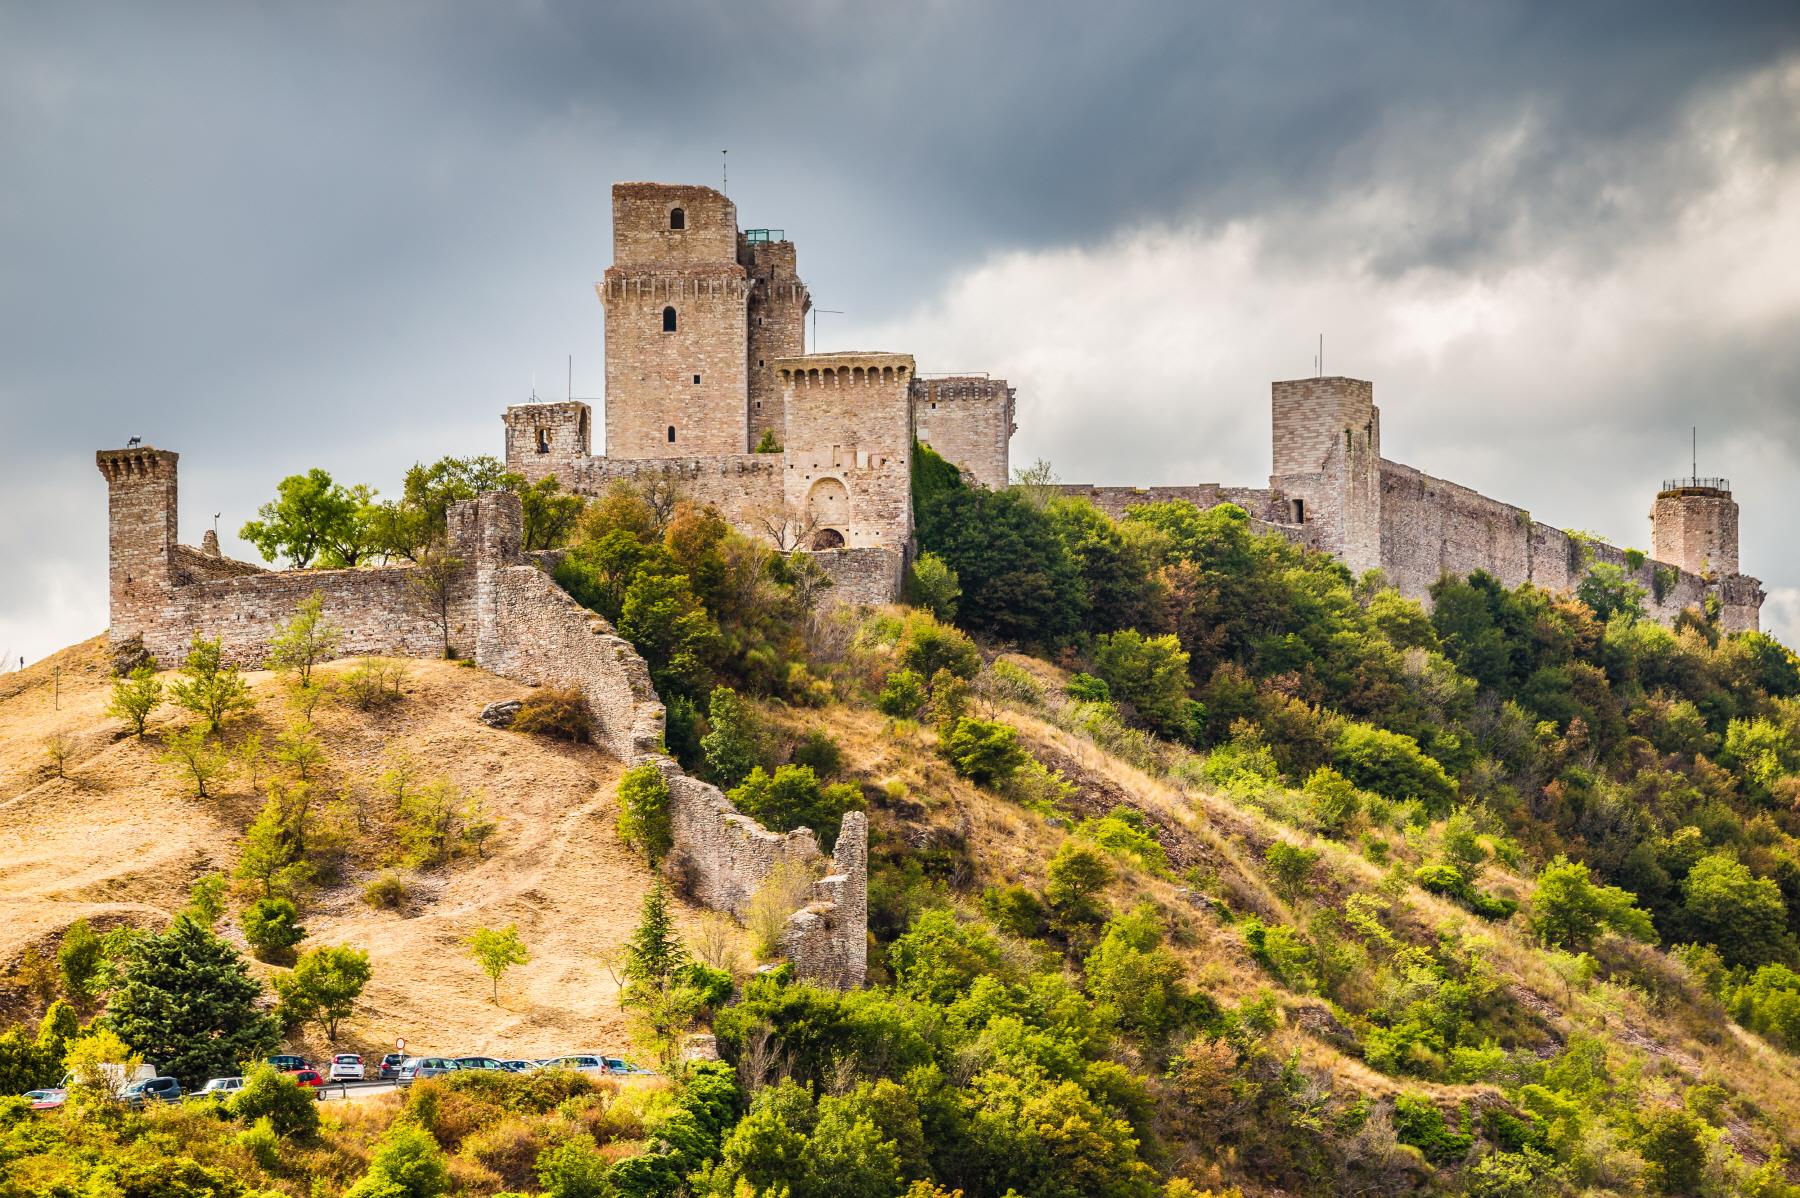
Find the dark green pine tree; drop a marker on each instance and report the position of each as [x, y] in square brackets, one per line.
[189, 1005]
[654, 952]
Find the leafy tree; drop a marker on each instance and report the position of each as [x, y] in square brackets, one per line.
[323, 987]
[1149, 673]
[654, 953]
[135, 697]
[91, 1060]
[928, 646]
[1077, 877]
[406, 1164]
[1391, 764]
[792, 798]
[733, 743]
[1018, 581]
[312, 518]
[189, 749]
[1569, 909]
[1730, 907]
[669, 625]
[496, 950]
[1609, 591]
[984, 751]
[932, 585]
[206, 900]
[902, 695]
[307, 639]
[79, 957]
[209, 688]
[269, 1094]
[643, 820]
[1291, 866]
[272, 927]
[549, 514]
[1335, 799]
[187, 1002]
[573, 1169]
[1673, 1143]
[1137, 981]
[431, 585]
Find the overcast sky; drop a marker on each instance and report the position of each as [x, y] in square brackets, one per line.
[276, 236]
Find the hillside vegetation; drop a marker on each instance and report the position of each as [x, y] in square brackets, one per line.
[1196, 865]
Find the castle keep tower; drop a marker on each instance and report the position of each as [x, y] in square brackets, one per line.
[676, 303]
[1694, 525]
[141, 532]
[1327, 440]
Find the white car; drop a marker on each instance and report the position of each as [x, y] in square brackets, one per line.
[220, 1087]
[346, 1067]
[581, 1062]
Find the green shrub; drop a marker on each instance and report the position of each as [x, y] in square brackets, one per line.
[733, 743]
[928, 646]
[1569, 909]
[1418, 1122]
[1391, 765]
[372, 684]
[389, 892]
[792, 798]
[984, 751]
[1085, 688]
[932, 585]
[1125, 832]
[643, 820]
[272, 926]
[290, 1109]
[902, 695]
[819, 753]
[1077, 877]
[1149, 673]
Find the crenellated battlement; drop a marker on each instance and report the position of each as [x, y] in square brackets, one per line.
[849, 369]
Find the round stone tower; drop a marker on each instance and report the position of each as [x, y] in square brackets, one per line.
[1694, 525]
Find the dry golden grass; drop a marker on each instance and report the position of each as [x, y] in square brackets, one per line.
[123, 838]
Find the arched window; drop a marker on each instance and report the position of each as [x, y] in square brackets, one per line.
[671, 434]
[677, 219]
[543, 440]
[668, 320]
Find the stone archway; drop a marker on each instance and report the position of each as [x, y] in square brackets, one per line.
[828, 538]
[828, 511]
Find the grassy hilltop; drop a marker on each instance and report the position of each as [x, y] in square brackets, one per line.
[1197, 866]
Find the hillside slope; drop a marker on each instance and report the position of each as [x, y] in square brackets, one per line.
[122, 838]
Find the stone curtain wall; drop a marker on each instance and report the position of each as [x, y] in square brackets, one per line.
[968, 421]
[868, 577]
[515, 622]
[745, 487]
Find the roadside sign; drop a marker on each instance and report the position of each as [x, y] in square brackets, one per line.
[399, 1043]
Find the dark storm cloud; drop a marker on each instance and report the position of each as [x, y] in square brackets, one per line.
[274, 236]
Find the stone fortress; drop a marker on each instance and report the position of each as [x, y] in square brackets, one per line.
[709, 389]
[709, 393]
[1332, 490]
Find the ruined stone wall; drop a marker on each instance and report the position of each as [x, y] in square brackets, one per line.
[968, 421]
[197, 565]
[849, 446]
[682, 390]
[1260, 503]
[821, 938]
[777, 328]
[547, 439]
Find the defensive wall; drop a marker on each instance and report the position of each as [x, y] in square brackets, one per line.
[1331, 490]
[503, 611]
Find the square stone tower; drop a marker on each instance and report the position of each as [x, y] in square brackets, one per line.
[848, 459]
[778, 305]
[968, 420]
[1327, 441]
[141, 534]
[547, 439]
[676, 305]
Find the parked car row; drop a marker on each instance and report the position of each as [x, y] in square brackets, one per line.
[344, 1067]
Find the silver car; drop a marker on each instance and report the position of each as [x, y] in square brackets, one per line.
[220, 1087]
[413, 1069]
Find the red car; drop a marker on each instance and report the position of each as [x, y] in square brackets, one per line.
[304, 1077]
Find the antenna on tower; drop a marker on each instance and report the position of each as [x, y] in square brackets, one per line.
[724, 172]
[1319, 359]
[534, 397]
[1694, 451]
[571, 392]
[815, 316]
